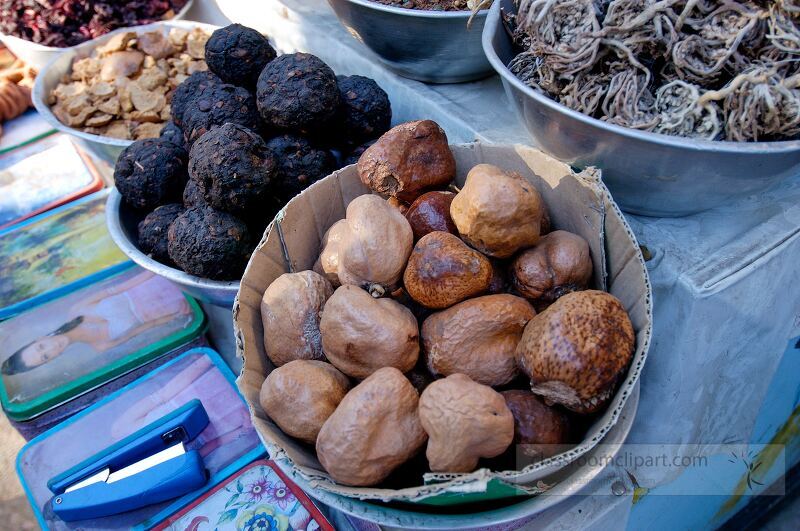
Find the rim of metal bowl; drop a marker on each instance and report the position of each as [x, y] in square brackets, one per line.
[724, 146]
[39, 98]
[421, 13]
[117, 233]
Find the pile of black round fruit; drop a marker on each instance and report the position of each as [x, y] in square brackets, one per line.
[245, 137]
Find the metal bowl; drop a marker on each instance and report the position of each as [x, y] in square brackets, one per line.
[123, 221]
[647, 173]
[38, 56]
[429, 46]
[105, 147]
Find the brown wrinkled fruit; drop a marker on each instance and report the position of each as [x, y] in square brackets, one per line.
[408, 160]
[301, 395]
[496, 212]
[575, 351]
[361, 334]
[558, 264]
[477, 337]
[443, 270]
[542, 430]
[431, 212]
[399, 205]
[327, 264]
[374, 245]
[290, 313]
[499, 282]
[465, 421]
[374, 430]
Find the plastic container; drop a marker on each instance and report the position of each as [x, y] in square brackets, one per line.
[257, 495]
[55, 253]
[31, 184]
[226, 445]
[60, 350]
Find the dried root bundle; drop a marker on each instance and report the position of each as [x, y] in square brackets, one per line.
[710, 69]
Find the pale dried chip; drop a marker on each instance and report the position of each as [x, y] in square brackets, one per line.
[147, 130]
[149, 62]
[196, 66]
[110, 106]
[74, 120]
[196, 43]
[74, 105]
[121, 64]
[150, 78]
[177, 37]
[146, 100]
[125, 99]
[118, 129]
[63, 91]
[101, 89]
[166, 113]
[85, 69]
[116, 43]
[155, 44]
[99, 120]
[143, 116]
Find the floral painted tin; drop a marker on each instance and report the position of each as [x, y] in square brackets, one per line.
[258, 497]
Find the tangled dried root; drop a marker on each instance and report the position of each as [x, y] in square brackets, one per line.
[710, 69]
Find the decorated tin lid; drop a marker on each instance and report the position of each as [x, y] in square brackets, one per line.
[31, 184]
[56, 252]
[259, 496]
[68, 346]
[227, 443]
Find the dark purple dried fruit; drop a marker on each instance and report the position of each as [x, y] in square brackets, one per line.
[300, 164]
[298, 93]
[152, 231]
[173, 133]
[151, 172]
[192, 195]
[365, 112]
[210, 244]
[218, 105]
[192, 87]
[232, 168]
[353, 156]
[238, 54]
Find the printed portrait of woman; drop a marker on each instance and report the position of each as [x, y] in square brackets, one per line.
[96, 326]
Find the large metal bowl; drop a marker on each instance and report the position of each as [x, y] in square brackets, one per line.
[122, 223]
[38, 56]
[648, 173]
[429, 46]
[105, 147]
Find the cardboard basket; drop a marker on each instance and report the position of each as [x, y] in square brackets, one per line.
[577, 202]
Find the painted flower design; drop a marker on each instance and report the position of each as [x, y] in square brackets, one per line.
[256, 490]
[279, 495]
[262, 518]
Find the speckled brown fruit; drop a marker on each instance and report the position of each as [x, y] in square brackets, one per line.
[477, 337]
[558, 264]
[301, 395]
[408, 160]
[496, 212]
[442, 271]
[374, 245]
[327, 264]
[431, 212]
[361, 334]
[465, 421]
[290, 313]
[374, 430]
[575, 351]
[544, 431]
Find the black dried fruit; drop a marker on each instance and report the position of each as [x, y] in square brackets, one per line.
[192, 87]
[219, 105]
[192, 195]
[297, 92]
[173, 133]
[300, 164]
[238, 54]
[153, 229]
[232, 168]
[210, 244]
[353, 156]
[365, 111]
[151, 172]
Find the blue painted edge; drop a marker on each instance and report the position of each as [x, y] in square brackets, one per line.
[47, 296]
[222, 474]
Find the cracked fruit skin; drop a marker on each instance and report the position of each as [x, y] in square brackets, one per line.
[497, 212]
[577, 349]
[442, 271]
[301, 395]
[408, 160]
[375, 429]
[361, 334]
[465, 421]
[290, 314]
[477, 337]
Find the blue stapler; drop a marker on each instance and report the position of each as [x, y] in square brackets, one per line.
[149, 466]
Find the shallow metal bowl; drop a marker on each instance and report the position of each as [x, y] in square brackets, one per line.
[647, 173]
[38, 55]
[50, 76]
[430, 46]
[123, 221]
